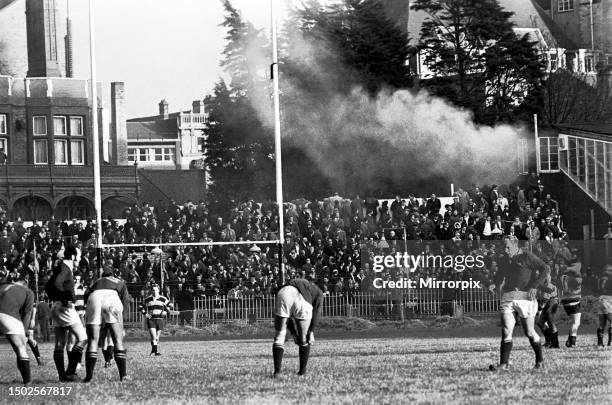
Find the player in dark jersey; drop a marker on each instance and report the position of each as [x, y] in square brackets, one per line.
[155, 307]
[520, 276]
[605, 306]
[548, 304]
[300, 302]
[571, 290]
[60, 289]
[105, 306]
[16, 303]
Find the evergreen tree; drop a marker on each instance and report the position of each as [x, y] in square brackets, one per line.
[475, 58]
[239, 148]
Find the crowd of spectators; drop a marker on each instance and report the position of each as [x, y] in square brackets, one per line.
[322, 238]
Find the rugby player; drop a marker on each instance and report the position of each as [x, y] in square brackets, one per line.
[79, 306]
[60, 289]
[105, 307]
[605, 306]
[154, 307]
[16, 304]
[548, 304]
[571, 289]
[298, 303]
[520, 276]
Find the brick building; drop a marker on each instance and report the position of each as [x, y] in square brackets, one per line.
[46, 124]
[168, 140]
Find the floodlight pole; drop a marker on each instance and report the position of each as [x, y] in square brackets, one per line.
[277, 144]
[95, 137]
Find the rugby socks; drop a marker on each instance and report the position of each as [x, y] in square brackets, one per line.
[111, 351]
[90, 364]
[537, 349]
[610, 336]
[600, 335]
[121, 360]
[571, 341]
[547, 336]
[36, 352]
[554, 340]
[58, 358]
[74, 358]
[277, 354]
[504, 352]
[304, 354]
[24, 368]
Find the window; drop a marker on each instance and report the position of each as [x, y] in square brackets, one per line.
[40, 125]
[76, 126]
[40, 152]
[549, 154]
[151, 154]
[59, 126]
[553, 62]
[76, 152]
[2, 124]
[3, 151]
[61, 151]
[143, 154]
[588, 64]
[566, 5]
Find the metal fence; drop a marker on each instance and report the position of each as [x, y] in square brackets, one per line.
[395, 306]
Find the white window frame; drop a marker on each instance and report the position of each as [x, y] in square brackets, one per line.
[64, 146]
[80, 126]
[44, 118]
[152, 154]
[546, 149]
[565, 5]
[3, 124]
[81, 144]
[4, 146]
[46, 149]
[132, 154]
[59, 118]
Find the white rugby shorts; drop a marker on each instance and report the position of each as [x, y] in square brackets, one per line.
[291, 304]
[605, 305]
[64, 316]
[10, 325]
[519, 302]
[104, 306]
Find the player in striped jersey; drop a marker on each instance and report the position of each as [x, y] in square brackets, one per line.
[155, 307]
[79, 306]
[571, 289]
[105, 306]
[16, 303]
[605, 306]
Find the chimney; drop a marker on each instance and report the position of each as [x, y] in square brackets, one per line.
[163, 109]
[118, 124]
[68, 41]
[198, 107]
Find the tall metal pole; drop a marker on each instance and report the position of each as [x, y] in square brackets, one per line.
[537, 142]
[95, 139]
[277, 144]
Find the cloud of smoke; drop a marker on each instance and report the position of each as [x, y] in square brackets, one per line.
[400, 138]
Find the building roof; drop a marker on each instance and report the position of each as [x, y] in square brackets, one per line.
[527, 14]
[598, 128]
[160, 129]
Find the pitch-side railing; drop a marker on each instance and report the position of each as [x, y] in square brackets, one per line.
[401, 305]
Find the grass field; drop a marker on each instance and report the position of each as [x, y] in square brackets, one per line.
[369, 370]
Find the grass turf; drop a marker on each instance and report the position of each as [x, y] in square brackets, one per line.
[373, 370]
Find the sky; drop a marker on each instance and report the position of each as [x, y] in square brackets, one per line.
[160, 49]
